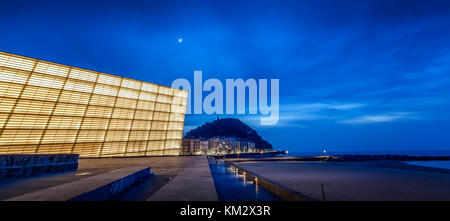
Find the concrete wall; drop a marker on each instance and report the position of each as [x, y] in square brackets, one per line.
[23, 165]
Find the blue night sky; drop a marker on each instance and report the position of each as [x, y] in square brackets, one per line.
[354, 75]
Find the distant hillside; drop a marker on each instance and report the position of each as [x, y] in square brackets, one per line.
[229, 127]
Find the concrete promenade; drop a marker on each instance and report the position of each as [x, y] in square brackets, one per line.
[97, 188]
[376, 180]
[194, 183]
[164, 168]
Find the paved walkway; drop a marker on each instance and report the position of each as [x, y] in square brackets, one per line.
[355, 180]
[194, 183]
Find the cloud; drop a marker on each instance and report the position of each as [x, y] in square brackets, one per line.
[293, 114]
[319, 106]
[345, 113]
[188, 128]
[380, 118]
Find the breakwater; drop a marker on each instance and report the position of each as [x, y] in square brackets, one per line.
[250, 155]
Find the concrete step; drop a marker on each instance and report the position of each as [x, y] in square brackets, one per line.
[95, 188]
[194, 183]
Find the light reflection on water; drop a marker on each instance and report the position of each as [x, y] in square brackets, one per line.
[232, 186]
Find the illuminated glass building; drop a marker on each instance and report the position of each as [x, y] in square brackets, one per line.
[52, 108]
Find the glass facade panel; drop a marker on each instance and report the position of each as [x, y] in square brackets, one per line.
[23, 121]
[74, 97]
[52, 108]
[13, 75]
[43, 80]
[10, 90]
[52, 69]
[78, 85]
[17, 62]
[7, 105]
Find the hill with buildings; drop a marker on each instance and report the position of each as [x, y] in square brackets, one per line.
[229, 128]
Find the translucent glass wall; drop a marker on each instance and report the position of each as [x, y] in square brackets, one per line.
[53, 108]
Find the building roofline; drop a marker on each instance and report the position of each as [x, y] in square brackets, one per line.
[84, 69]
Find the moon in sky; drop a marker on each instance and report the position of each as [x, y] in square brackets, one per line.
[180, 40]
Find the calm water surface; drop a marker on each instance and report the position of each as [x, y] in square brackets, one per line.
[233, 187]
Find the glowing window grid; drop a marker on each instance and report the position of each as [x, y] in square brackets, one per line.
[52, 108]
